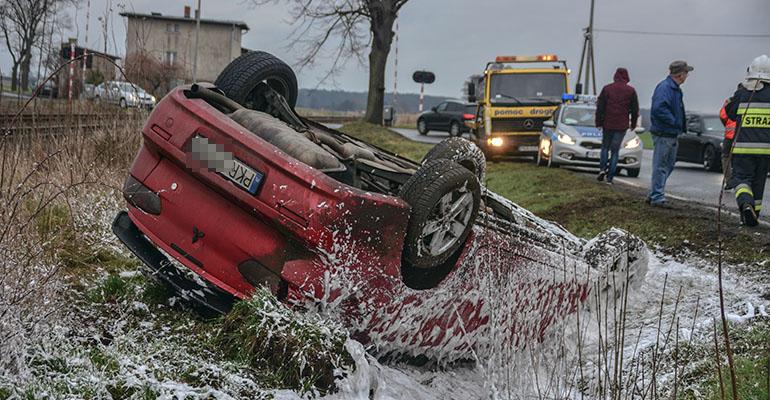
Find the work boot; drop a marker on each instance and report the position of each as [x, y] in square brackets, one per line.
[748, 215]
[601, 175]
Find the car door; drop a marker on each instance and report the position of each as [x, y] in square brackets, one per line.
[434, 117]
[690, 141]
[454, 112]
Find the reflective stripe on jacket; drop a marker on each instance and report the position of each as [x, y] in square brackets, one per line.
[753, 118]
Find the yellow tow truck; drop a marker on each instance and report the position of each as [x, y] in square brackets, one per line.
[515, 97]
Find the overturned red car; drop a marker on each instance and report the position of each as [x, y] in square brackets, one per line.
[231, 189]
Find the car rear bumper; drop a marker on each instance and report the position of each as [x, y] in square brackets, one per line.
[210, 298]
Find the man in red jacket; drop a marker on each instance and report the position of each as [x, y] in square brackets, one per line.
[617, 110]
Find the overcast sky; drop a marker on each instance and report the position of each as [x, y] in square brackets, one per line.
[455, 38]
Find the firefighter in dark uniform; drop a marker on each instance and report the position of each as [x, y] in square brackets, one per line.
[750, 108]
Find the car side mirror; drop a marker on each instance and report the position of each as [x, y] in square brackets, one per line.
[639, 129]
[433, 108]
[549, 124]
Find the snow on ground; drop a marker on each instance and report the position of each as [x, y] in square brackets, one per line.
[696, 306]
[135, 349]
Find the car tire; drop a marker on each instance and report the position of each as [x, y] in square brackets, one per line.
[247, 77]
[445, 198]
[455, 129]
[123, 103]
[461, 151]
[422, 127]
[712, 161]
[632, 172]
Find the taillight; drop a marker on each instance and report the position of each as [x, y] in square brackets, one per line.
[140, 196]
[468, 116]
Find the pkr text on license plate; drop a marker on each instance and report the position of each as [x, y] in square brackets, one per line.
[244, 176]
[592, 154]
[527, 148]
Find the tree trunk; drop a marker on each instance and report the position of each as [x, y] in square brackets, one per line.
[14, 77]
[382, 20]
[26, 61]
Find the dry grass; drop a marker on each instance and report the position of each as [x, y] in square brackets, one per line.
[42, 178]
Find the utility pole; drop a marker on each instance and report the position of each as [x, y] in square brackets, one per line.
[197, 34]
[587, 58]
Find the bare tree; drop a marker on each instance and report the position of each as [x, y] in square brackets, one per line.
[146, 71]
[21, 22]
[344, 24]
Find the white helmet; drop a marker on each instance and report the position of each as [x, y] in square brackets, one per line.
[758, 72]
[759, 69]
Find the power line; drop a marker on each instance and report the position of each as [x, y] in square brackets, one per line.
[739, 35]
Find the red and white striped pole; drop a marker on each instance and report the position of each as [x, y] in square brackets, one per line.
[395, 73]
[72, 68]
[422, 95]
[85, 48]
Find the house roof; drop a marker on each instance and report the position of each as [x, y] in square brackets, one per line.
[159, 16]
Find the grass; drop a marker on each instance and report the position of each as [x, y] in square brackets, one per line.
[387, 139]
[587, 207]
[303, 352]
[646, 138]
[752, 359]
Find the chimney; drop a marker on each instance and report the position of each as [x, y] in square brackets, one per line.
[187, 11]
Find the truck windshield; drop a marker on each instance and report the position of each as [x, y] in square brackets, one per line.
[527, 87]
[578, 116]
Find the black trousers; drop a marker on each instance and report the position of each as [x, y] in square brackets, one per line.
[749, 174]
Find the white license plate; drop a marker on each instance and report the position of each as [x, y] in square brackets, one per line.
[592, 154]
[527, 148]
[244, 176]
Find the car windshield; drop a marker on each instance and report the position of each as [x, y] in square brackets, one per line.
[527, 87]
[713, 125]
[579, 116]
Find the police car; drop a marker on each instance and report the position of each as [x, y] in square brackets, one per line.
[572, 138]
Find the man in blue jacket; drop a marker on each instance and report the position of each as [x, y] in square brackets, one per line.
[667, 123]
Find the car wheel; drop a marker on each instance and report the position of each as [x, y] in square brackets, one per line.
[461, 151]
[123, 103]
[620, 261]
[711, 160]
[454, 129]
[445, 199]
[422, 127]
[248, 77]
[632, 172]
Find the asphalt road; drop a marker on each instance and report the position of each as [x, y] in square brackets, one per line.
[688, 182]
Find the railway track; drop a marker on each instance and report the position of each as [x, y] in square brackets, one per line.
[65, 123]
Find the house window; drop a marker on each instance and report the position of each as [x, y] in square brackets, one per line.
[170, 57]
[172, 28]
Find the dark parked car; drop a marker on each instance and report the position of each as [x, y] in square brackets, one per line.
[702, 143]
[449, 116]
